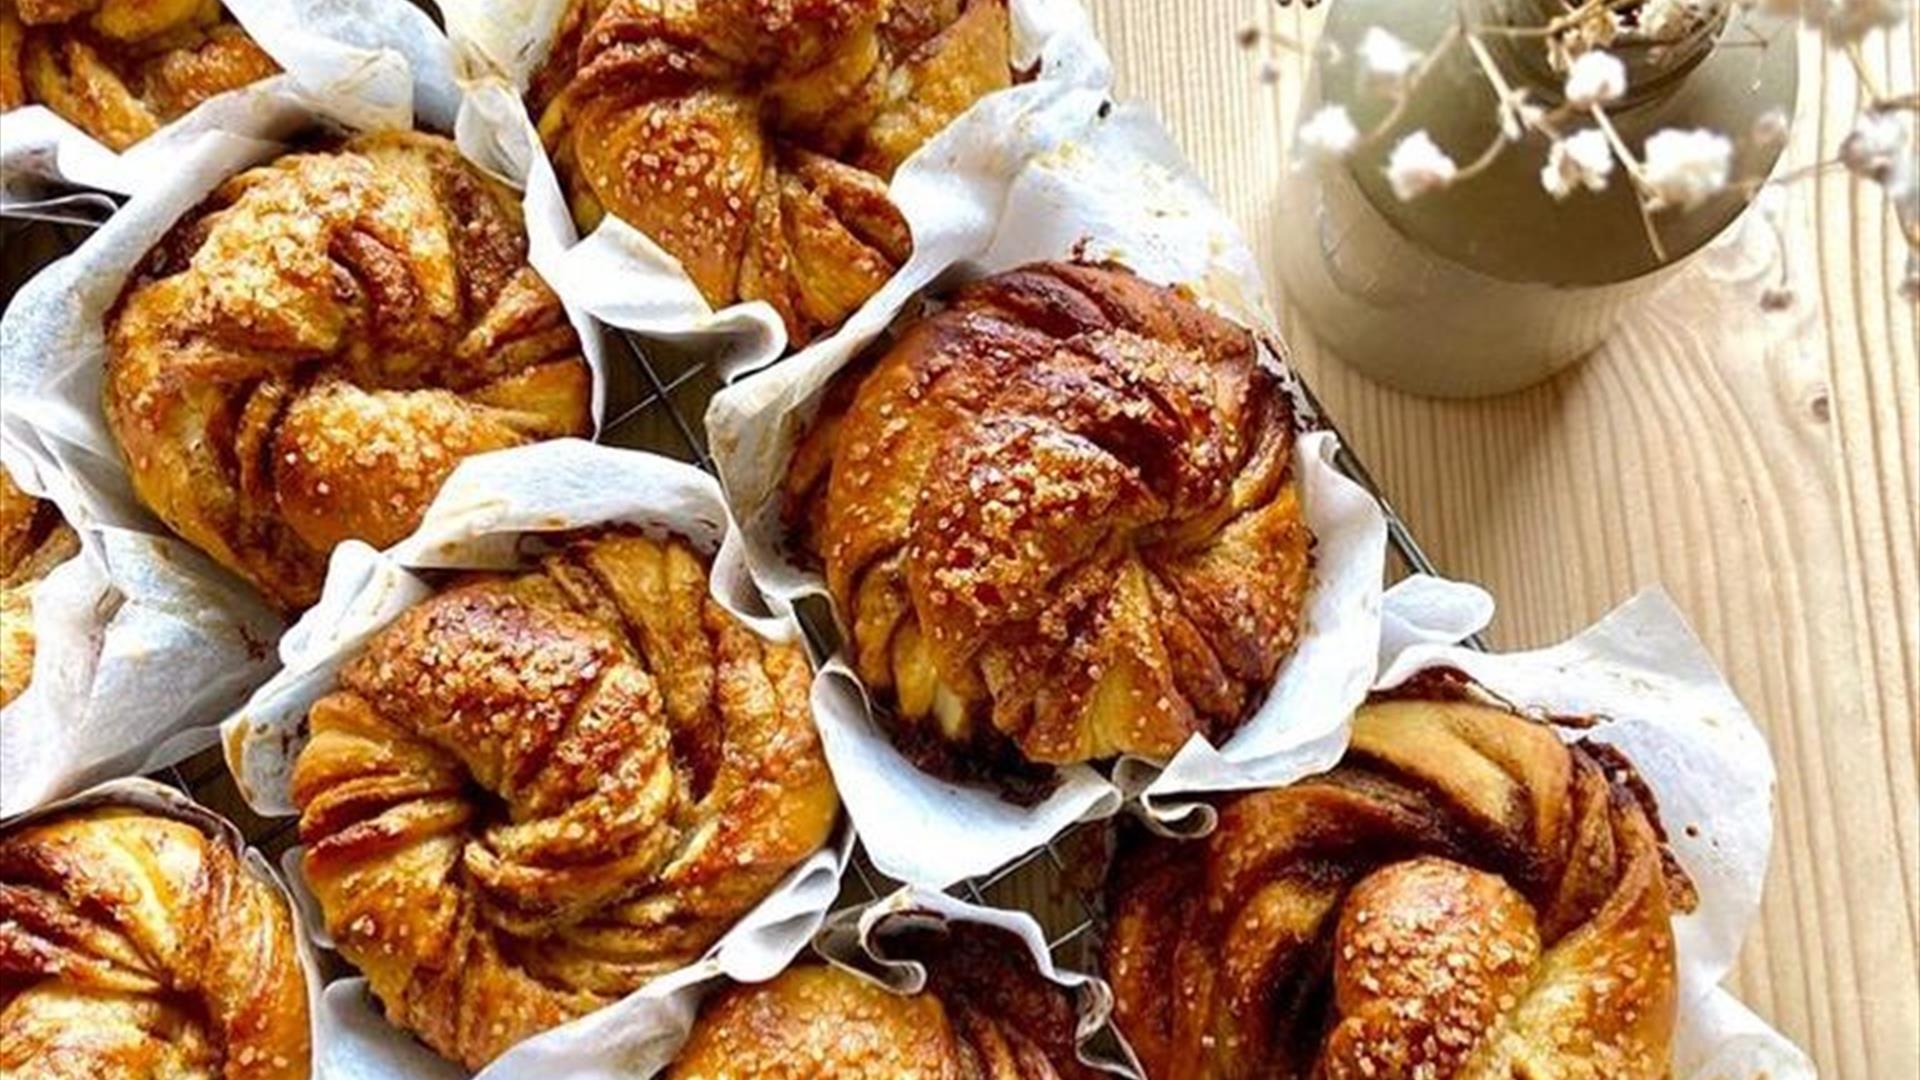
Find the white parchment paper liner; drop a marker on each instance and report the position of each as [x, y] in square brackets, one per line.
[623, 278]
[319, 44]
[1660, 701]
[856, 939]
[140, 648]
[142, 794]
[489, 507]
[1112, 187]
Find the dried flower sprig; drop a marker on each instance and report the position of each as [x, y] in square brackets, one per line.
[1674, 169]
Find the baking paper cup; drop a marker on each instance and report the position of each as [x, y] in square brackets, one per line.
[1656, 696]
[489, 506]
[1112, 187]
[140, 647]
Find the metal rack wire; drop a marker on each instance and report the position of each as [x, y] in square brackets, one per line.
[657, 402]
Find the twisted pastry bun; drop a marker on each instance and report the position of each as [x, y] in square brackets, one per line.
[308, 354]
[754, 140]
[135, 946]
[119, 69]
[534, 792]
[1463, 896]
[1061, 520]
[33, 540]
[985, 1014]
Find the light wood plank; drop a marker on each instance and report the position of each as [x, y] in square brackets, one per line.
[1761, 467]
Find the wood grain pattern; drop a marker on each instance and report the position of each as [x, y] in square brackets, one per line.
[1761, 467]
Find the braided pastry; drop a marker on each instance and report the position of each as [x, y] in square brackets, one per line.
[1061, 519]
[1463, 896]
[535, 792]
[307, 356]
[33, 540]
[136, 946]
[753, 139]
[985, 1014]
[119, 69]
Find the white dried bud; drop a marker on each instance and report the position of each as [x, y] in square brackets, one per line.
[1581, 160]
[1877, 146]
[1596, 78]
[1326, 136]
[1772, 127]
[1386, 63]
[1417, 166]
[1685, 168]
[1845, 22]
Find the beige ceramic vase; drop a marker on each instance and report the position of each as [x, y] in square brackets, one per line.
[1491, 284]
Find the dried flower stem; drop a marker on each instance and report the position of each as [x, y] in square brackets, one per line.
[1634, 173]
[1868, 80]
[1405, 97]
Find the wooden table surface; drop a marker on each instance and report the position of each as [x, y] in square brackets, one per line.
[1761, 467]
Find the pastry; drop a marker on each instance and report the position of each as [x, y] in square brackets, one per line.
[137, 946]
[1060, 521]
[307, 355]
[754, 141]
[33, 540]
[534, 792]
[1463, 896]
[119, 69]
[985, 1014]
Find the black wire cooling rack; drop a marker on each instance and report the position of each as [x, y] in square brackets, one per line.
[656, 401]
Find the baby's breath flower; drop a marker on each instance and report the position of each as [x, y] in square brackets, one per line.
[1387, 62]
[1583, 159]
[1596, 78]
[1877, 147]
[1685, 168]
[1326, 136]
[1417, 166]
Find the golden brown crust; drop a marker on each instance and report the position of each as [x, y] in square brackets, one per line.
[532, 793]
[1463, 896]
[753, 139]
[307, 355]
[119, 69]
[985, 1014]
[1061, 513]
[33, 540]
[136, 946]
